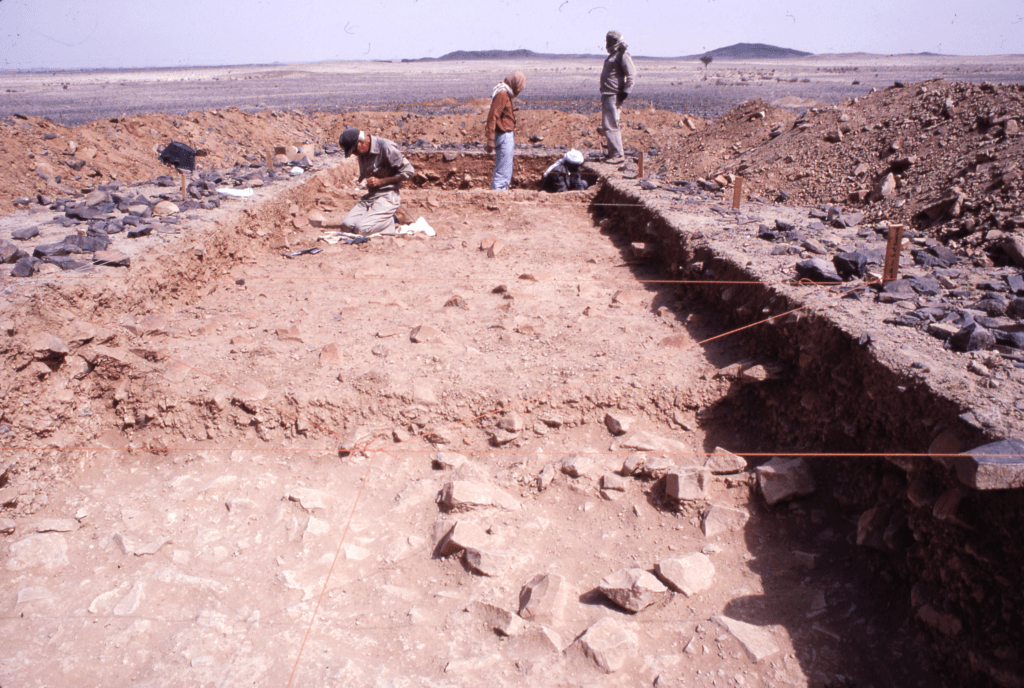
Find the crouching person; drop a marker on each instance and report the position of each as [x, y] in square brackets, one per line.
[383, 167]
[564, 175]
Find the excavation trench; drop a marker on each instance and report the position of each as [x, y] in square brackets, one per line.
[835, 393]
[227, 418]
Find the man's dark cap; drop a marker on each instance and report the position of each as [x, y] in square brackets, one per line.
[348, 140]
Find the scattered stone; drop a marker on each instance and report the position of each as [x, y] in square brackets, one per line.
[495, 618]
[784, 479]
[757, 642]
[25, 234]
[425, 333]
[331, 355]
[633, 464]
[536, 641]
[423, 393]
[486, 563]
[656, 467]
[7, 526]
[25, 267]
[817, 270]
[57, 525]
[511, 422]
[633, 589]
[308, 498]
[687, 484]
[46, 347]
[723, 519]
[884, 188]
[32, 594]
[463, 535]
[290, 333]
[617, 423]
[463, 495]
[315, 527]
[45, 550]
[645, 441]
[543, 597]
[114, 259]
[689, 574]
[613, 482]
[608, 644]
[447, 461]
[249, 391]
[131, 602]
[165, 208]
[723, 462]
[580, 465]
[994, 466]
[972, 337]
[545, 477]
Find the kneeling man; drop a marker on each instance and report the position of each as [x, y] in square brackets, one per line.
[384, 168]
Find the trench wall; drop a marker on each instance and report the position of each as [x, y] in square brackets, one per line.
[835, 395]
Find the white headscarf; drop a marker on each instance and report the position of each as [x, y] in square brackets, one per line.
[502, 87]
[573, 156]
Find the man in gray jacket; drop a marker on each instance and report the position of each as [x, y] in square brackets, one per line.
[384, 168]
[616, 82]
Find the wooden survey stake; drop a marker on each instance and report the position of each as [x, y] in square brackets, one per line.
[892, 254]
[270, 161]
[737, 192]
[640, 164]
[184, 188]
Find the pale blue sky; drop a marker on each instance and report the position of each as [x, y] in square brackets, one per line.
[85, 34]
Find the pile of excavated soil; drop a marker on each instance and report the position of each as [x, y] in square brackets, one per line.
[951, 150]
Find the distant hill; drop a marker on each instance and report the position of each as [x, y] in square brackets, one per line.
[752, 51]
[520, 54]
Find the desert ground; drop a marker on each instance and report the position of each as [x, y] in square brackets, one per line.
[603, 438]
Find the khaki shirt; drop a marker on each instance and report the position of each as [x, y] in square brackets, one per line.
[384, 160]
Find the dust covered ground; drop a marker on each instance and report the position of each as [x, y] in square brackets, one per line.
[223, 466]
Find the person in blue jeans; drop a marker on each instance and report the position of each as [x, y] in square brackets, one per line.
[501, 125]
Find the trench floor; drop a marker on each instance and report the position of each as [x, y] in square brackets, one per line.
[211, 532]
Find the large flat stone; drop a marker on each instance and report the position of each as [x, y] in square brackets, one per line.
[689, 574]
[542, 598]
[45, 550]
[995, 466]
[756, 641]
[464, 495]
[723, 519]
[784, 479]
[633, 589]
[608, 644]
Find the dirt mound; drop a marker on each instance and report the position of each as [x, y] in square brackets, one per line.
[952, 151]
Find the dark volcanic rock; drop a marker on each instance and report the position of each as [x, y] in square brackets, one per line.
[973, 337]
[25, 234]
[26, 267]
[817, 270]
[850, 265]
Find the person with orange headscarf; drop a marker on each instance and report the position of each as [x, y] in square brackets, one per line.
[501, 125]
